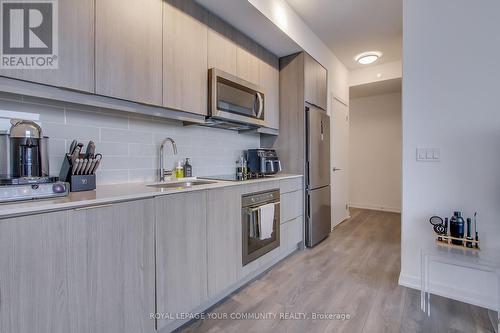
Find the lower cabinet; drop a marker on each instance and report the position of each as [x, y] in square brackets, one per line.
[291, 235]
[224, 244]
[181, 257]
[83, 270]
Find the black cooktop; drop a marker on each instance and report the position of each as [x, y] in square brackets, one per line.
[27, 180]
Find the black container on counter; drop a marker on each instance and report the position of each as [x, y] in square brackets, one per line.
[457, 227]
[188, 169]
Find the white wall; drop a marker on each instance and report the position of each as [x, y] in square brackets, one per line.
[375, 152]
[451, 101]
[375, 73]
[129, 143]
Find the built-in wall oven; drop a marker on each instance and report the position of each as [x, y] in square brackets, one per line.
[235, 100]
[258, 241]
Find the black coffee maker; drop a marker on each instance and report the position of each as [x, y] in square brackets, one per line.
[24, 152]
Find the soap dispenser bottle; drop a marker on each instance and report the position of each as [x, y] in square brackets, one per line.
[188, 169]
[179, 170]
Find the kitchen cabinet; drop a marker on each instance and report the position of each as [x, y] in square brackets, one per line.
[181, 252]
[112, 267]
[291, 235]
[76, 50]
[84, 270]
[315, 82]
[224, 244]
[247, 60]
[185, 65]
[221, 46]
[291, 205]
[128, 41]
[34, 285]
[270, 79]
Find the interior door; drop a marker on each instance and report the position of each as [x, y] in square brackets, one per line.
[340, 158]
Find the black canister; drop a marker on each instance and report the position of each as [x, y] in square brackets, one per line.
[457, 227]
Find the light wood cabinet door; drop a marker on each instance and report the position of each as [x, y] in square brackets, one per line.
[315, 82]
[89, 270]
[310, 82]
[111, 268]
[34, 283]
[185, 74]
[270, 80]
[76, 50]
[224, 244]
[181, 252]
[322, 86]
[221, 45]
[247, 59]
[128, 41]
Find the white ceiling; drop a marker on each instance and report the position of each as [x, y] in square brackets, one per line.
[349, 27]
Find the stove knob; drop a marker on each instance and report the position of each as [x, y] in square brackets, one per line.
[58, 188]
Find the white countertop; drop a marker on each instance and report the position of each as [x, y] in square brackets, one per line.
[106, 194]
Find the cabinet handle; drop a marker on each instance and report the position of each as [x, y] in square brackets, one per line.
[93, 207]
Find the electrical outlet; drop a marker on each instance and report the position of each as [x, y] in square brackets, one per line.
[428, 154]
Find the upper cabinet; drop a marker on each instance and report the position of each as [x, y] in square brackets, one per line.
[270, 79]
[76, 50]
[247, 61]
[222, 48]
[315, 81]
[185, 56]
[155, 52]
[128, 41]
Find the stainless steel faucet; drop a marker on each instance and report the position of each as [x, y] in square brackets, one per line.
[162, 171]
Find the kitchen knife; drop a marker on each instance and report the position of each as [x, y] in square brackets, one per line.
[75, 155]
[78, 165]
[73, 167]
[97, 162]
[89, 153]
[72, 147]
[84, 166]
[89, 165]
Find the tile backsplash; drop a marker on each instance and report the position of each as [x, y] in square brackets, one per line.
[129, 143]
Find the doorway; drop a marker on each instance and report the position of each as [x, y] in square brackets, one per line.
[375, 146]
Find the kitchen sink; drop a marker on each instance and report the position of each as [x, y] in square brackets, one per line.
[182, 184]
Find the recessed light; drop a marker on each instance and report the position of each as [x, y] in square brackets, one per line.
[367, 58]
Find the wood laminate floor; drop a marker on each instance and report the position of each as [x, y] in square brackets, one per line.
[355, 271]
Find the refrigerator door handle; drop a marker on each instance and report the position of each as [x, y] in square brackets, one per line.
[308, 206]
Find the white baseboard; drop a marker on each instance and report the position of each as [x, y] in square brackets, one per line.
[376, 207]
[461, 295]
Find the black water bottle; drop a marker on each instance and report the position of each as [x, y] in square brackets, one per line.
[457, 228]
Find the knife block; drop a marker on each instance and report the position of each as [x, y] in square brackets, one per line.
[77, 182]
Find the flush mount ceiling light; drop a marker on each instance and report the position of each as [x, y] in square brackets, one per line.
[367, 58]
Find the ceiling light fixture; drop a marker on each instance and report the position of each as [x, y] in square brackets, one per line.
[367, 58]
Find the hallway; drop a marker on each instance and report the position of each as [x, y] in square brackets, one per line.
[354, 272]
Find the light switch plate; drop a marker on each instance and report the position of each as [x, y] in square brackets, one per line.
[428, 154]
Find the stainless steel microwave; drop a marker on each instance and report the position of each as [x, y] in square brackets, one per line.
[234, 100]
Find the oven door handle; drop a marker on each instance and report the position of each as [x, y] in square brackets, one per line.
[257, 208]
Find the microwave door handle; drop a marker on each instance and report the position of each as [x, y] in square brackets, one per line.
[260, 105]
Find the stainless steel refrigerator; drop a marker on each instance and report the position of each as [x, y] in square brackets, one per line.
[318, 190]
